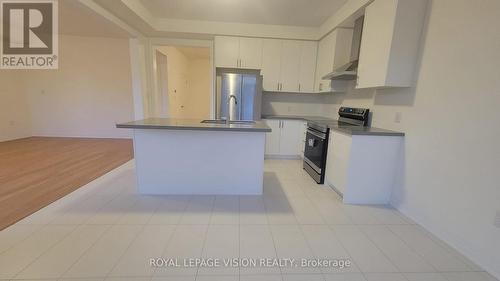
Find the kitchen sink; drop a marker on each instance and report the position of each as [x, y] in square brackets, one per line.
[214, 121]
[245, 122]
[220, 121]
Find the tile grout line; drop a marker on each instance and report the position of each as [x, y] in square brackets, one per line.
[164, 251]
[46, 250]
[383, 253]
[206, 237]
[109, 226]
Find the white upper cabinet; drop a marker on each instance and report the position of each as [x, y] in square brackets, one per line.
[307, 69]
[250, 53]
[326, 48]
[333, 51]
[227, 51]
[286, 65]
[390, 42]
[290, 66]
[271, 64]
[238, 52]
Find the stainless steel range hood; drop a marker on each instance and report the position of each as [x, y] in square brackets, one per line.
[349, 71]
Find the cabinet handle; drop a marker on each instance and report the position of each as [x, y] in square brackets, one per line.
[299, 87]
[320, 86]
[278, 88]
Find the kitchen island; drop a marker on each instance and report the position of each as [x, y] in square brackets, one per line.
[186, 156]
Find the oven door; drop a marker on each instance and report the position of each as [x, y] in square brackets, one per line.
[315, 149]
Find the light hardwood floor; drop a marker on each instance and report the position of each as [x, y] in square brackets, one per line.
[37, 171]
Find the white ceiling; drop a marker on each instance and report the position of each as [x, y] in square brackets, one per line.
[311, 13]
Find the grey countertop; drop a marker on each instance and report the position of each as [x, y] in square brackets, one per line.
[335, 126]
[192, 124]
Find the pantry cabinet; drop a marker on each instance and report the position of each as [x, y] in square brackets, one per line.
[390, 43]
[238, 52]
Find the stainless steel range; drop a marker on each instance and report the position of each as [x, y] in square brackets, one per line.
[317, 135]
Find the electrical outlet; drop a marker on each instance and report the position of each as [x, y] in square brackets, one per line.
[497, 219]
[290, 108]
[398, 117]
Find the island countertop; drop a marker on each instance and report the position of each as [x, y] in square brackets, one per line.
[192, 124]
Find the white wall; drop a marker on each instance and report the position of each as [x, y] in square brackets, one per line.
[450, 182]
[89, 93]
[188, 81]
[14, 111]
[176, 80]
[198, 105]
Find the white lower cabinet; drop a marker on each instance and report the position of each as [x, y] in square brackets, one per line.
[337, 161]
[285, 139]
[362, 168]
[273, 137]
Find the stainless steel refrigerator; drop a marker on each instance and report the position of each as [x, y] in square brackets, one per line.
[239, 94]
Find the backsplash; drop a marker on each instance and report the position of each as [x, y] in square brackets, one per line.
[274, 103]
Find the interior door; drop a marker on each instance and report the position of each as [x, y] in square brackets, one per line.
[273, 137]
[271, 64]
[290, 65]
[162, 83]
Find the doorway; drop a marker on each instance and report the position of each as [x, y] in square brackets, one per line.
[183, 79]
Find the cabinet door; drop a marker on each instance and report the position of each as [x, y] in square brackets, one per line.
[302, 138]
[226, 51]
[290, 137]
[250, 53]
[376, 43]
[337, 161]
[307, 71]
[326, 53]
[290, 65]
[273, 137]
[271, 64]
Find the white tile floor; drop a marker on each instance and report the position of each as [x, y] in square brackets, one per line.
[105, 231]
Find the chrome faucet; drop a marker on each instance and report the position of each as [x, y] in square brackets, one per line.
[229, 107]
